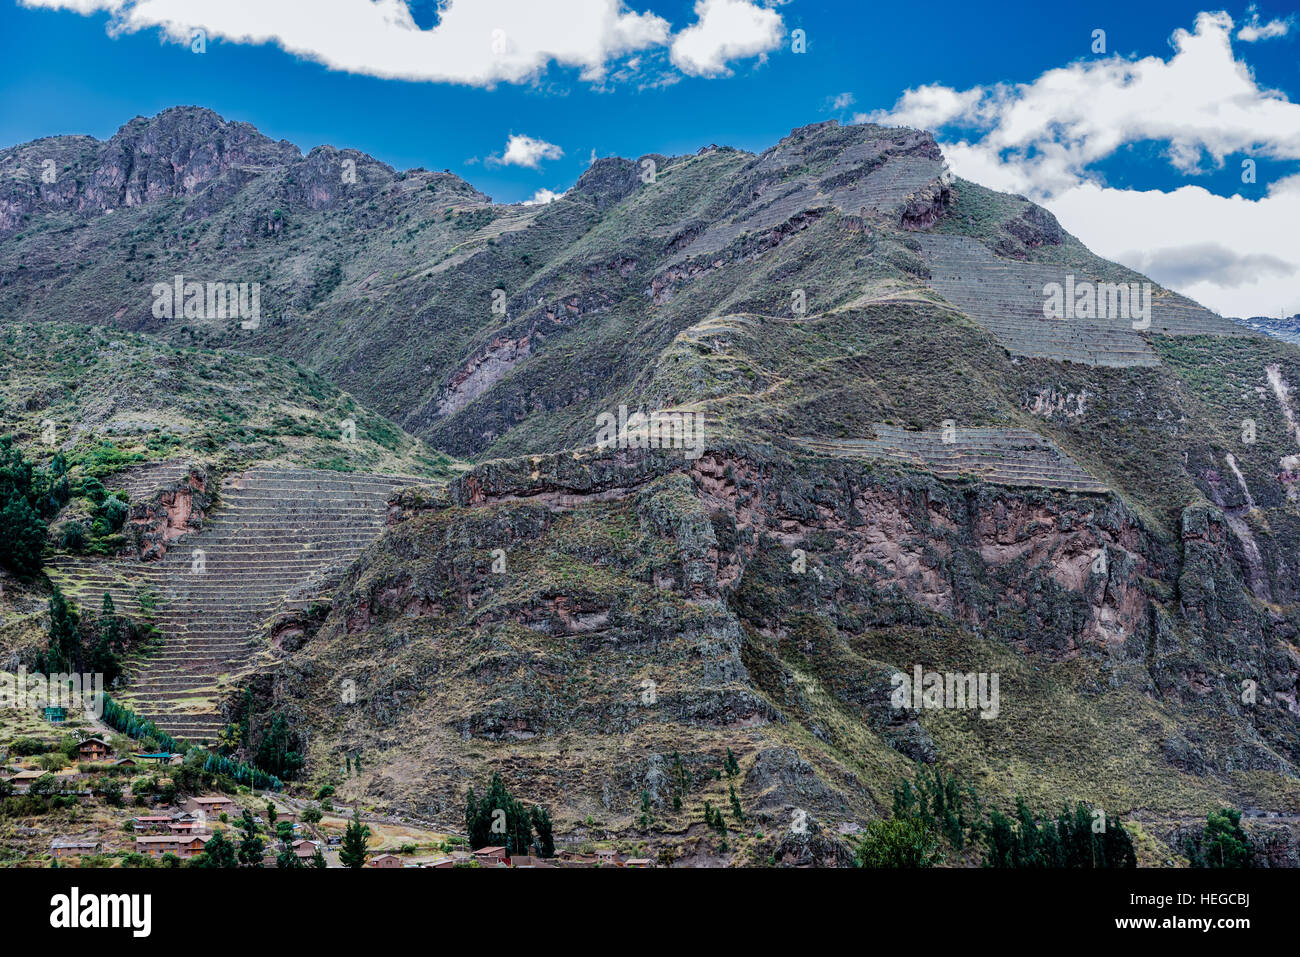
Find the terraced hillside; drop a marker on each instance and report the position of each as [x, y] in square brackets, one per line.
[1001, 456]
[267, 547]
[1006, 297]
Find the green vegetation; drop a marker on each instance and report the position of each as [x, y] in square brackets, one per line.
[898, 842]
[28, 498]
[135, 401]
[218, 852]
[67, 652]
[1223, 843]
[936, 817]
[1080, 839]
[251, 845]
[126, 721]
[356, 842]
[277, 753]
[501, 820]
[941, 803]
[624, 568]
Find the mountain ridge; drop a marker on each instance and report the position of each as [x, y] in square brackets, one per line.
[904, 462]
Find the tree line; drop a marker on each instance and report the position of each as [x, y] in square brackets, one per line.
[936, 816]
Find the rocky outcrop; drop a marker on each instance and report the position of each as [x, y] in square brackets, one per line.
[481, 373]
[179, 152]
[924, 207]
[1033, 228]
[155, 524]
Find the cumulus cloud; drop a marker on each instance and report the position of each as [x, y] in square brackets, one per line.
[1210, 262]
[474, 42]
[1044, 140]
[542, 197]
[1254, 30]
[526, 151]
[725, 30]
[929, 107]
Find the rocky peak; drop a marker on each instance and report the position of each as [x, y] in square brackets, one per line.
[176, 153]
[608, 181]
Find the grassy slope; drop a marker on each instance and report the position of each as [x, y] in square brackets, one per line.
[150, 401]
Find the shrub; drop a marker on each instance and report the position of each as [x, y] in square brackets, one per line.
[72, 536]
[898, 842]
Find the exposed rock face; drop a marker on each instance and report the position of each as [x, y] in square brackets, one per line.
[1033, 228]
[925, 206]
[753, 596]
[481, 372]
[183, 152]
[176, 153]
[154, 525]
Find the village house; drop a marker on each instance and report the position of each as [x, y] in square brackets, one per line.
[150, 823]
[212, 806]
[162, 757]
[93, 749]
[304, 849]
[63, 848]
[25, 779]
[608, 857]
[386, 860]
[639, 862]
[492, 857]
[183, 846]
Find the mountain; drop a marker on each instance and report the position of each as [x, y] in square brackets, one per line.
[1287, 329]
[889, 452]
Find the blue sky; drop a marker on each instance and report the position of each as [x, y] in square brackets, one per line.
[738, 83]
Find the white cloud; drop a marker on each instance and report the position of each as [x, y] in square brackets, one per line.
[475, 42]
[1253, 30]
[842, 101]
[77, 6]
[1043, 140]
[929, 107]
[1238, 256]
[526, 151]
[725, 30]
[542, 197]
